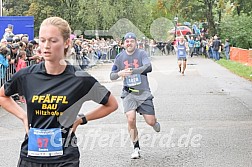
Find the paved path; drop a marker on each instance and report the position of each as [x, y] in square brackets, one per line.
[206, 119]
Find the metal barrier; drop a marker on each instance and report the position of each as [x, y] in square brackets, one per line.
[2, 74]
[108, 55]
[6, 73]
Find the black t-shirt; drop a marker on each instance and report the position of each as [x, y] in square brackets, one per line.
[216, 45]
[53, 101]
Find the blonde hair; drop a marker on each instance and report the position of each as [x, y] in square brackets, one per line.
[63, 27]
[78, 42]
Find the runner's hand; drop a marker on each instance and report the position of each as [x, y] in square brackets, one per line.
[77, 122]
[26, 126]
[125, 72]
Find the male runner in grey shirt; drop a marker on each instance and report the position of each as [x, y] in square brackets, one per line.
[132, 65]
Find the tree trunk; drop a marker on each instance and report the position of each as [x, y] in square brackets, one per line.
[210, 18]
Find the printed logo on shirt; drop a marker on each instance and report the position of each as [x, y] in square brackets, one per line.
[134, 64]
[49, 104]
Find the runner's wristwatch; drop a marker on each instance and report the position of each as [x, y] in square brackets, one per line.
[84, 120]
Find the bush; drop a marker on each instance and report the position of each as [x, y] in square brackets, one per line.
[238, 30]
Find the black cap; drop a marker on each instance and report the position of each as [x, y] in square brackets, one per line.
[15, 46]
[33, 42]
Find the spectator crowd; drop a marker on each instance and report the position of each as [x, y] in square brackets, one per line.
[17, 51]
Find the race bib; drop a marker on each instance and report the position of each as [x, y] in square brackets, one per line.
[45, 142]
[181, 53]
[133, 80]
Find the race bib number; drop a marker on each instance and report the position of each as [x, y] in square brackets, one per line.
[133, 80]
[181, 53]
[45, 142]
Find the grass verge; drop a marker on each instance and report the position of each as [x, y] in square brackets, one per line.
[237, 68]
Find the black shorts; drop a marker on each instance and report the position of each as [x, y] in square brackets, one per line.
[182, 59]
[23, 163]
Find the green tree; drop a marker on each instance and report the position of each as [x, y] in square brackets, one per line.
[45, 8]
[15, 8]
[102, 15]
[243, 6]
[53, 8]
[71, 9]
[238, 30]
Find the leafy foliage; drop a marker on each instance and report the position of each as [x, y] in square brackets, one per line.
[102, 15]
[230, 18]
[238, 30]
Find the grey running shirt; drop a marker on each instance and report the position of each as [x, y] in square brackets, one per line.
[136, 61]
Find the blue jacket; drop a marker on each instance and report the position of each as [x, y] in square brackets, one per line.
[191, 43]
[4, 64]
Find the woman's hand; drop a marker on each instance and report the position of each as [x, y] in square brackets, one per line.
[25, 122]
[77, 122]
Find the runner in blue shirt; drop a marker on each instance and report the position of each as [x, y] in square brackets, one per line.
[191, 44]
[181, 48]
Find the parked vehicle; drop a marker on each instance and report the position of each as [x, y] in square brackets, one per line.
[181, 30]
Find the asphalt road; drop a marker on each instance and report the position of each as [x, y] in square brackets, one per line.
[205, 117]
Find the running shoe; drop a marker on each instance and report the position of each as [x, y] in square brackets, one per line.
[156, 127]
[136, 153]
